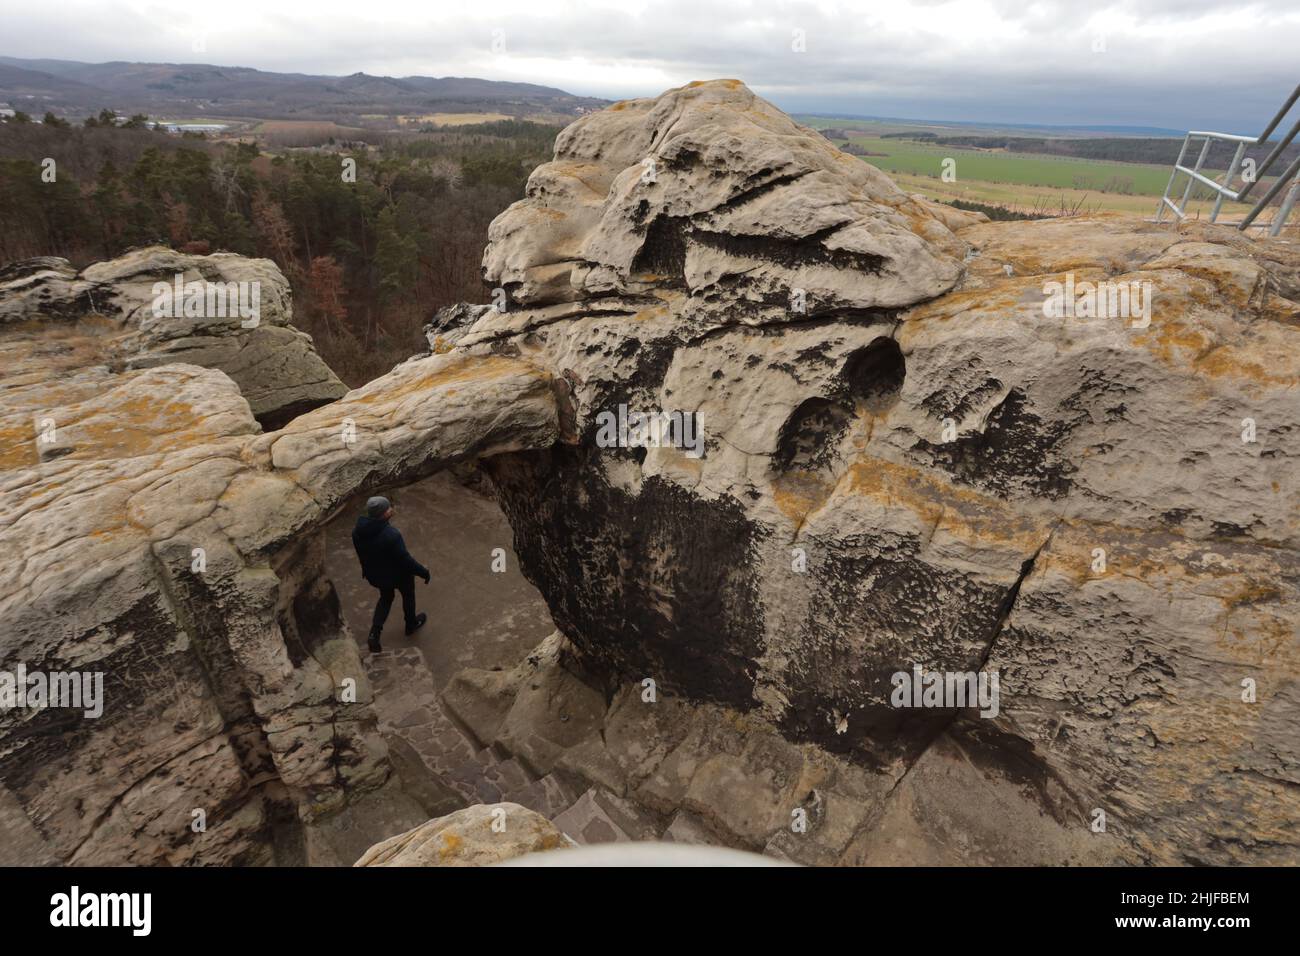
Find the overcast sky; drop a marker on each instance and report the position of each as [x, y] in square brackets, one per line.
[1170, 63]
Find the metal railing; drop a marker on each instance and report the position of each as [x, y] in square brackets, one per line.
[1223, 189]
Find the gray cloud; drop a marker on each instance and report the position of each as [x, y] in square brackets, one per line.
[1175, 63]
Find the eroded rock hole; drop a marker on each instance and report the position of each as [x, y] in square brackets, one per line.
[663, 253]
[874, 374]
[810, 435]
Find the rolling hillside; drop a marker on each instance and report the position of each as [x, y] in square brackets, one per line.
[66, 86]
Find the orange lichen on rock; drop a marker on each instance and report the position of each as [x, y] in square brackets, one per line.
[959, 511]
[799, 493]
[461, 368]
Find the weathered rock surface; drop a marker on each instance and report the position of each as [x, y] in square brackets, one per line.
[712, 191]
[947, 460]
[106, 314]
[154, 534]
[906, 462]
[475, 836]
[660, 768]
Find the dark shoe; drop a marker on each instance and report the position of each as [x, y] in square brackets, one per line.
[373, 642]
[419, 623]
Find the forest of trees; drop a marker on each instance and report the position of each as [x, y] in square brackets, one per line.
[370, 260]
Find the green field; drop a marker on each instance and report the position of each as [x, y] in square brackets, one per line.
[1024, 169]
[1019, 181]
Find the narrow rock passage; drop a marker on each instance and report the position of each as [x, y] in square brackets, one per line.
[477, 617]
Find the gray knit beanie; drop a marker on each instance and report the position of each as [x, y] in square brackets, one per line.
[376, 506]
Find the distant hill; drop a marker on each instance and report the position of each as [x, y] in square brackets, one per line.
[1014, 128]
[195, 89]
[18, 83]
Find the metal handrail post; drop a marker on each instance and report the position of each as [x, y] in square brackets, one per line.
[1227, 180]
[1160, 207]
[1191, 181]
[1268, 198]
[1284, 211]
[1277, 151]
[1295, 95]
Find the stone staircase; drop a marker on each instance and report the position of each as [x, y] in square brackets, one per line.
[410, 710]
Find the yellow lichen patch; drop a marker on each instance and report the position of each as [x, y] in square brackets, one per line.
[1278, 309]
[1252, 626]
[463, 369]
[1227, 282]
[669, 296]
[133, 427]
[18, 446]
[1004, 296]
[677, 464]
[1252, 593]
[963, 513]
[544, 212]
[1171, 340]
[451, 845]
[1266, 637]
[1172, 336]
[1163, 559]
[1071, 551]
[1199, 729]
[654, 312]
[917, 221]
[1176, 338]
[1228, 361]
[1209, 731]
[799, 493]
[50, 396]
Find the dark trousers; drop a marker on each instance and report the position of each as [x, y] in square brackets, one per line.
[406, 586]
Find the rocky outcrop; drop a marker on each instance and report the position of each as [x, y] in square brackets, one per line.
[714, 194]
[113, 315]
[909, 461]
[159, 538]
[480, 835]
[919, 467]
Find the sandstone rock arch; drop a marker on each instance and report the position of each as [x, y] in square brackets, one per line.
[173, 546]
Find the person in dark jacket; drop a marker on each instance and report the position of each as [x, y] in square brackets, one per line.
[388, 566]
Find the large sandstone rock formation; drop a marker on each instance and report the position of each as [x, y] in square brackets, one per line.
[950, 462]
[905, 463]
